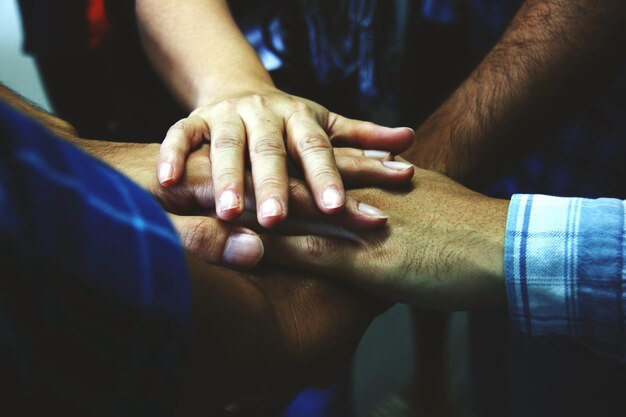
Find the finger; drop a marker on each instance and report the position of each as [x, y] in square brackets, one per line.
[218, 242]
[368, 172]
[268, 159]
[360, 153]
[309, 144]
[323, 255]
[227, 160]
[357, 215]
[180, 139]
[367, 135]
[352, 152]
[195, 190]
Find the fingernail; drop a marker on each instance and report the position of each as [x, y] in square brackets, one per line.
[229, 200]
[376, 154]
[371, 211]
[166, 172]
[271, 208]
[242, 250]
[332, 198]
[397, 166]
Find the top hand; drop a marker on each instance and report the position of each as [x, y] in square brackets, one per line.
[271, 125]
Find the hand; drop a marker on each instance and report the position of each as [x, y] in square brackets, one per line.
[271, 125]
[220, 242]
[269, 334]
[443, 247]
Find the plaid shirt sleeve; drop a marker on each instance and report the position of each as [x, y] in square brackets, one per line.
[94, 292]
[564, 266]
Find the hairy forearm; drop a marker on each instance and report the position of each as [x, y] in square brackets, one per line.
[128, 158]
[57, 126]
[552, 55]
[198, 49]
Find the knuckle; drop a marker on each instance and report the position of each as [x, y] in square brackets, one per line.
[357, 164]
[312, 247]
[269, 146]
[259, 100]
[189, 130]
[308, 109]
[228, 175]
[321, 174]
[230, 141]
[228, 105]
[178, 127]
[271, 183]
[200, 238]
[312, 143]
[301, 107]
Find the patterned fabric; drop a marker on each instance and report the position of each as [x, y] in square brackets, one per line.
[565, 271]
[94, 294]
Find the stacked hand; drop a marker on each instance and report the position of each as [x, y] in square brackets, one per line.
[442, 247]
[278, 332]
[269, 332]
[273, 128]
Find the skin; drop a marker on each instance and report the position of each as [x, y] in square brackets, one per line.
[268, 334]
[200, 53]
[545, 64]
[551, 58]
[442, 248]
[190, 202]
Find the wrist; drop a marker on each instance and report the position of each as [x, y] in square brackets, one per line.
[216, 92]
[467, 254]
[449, 141]
[135, 160]
[484, 253]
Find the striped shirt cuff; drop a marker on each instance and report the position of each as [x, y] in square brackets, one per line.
[564, 266]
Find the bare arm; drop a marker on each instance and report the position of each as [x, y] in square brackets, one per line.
[552, 55]
[205, 60]
[198, 49]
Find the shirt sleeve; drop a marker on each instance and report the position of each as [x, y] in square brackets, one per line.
[94, 292]
[564, 266]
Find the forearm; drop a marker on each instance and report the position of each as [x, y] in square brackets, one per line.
[198, 49]
[550, 57]
[128, 158]
[57, 126]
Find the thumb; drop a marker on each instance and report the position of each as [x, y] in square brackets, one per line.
[218, 242]
[366, 135]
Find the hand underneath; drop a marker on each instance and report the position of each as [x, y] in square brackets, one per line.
[191, 201]
[442, 248]
[269, 334]
[269, 126]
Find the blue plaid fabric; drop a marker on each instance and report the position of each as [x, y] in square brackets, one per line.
[565, 271]
[94, 293]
